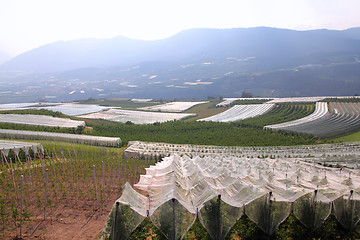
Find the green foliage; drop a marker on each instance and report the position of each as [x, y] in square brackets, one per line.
[37, 128]
[147, 230]
[192, 132]
[353, 137]
[248, 101]
[22, 155]
[245, 229]
[11, 155]
[197, 232]
[36, 112]
[354, 99]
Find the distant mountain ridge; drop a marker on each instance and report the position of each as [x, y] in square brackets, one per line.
[196, 63]
[4, 57]
[288, 47]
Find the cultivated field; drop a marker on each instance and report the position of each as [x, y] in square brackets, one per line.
[66, 191]
[340, 119]
[172, 106]
[219, 190]
[240, 112]
[136, 117]
[40, 120]
[64, 137]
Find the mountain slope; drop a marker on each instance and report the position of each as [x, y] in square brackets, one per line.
[4, 57]
[274, 48]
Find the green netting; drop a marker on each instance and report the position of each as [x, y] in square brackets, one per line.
[312, 209]
[267, 213]
[172, 219]
[217, 217]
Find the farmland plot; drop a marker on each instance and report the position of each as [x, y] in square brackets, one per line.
[75, 109]
[137, 117]
[65, 137]
[240, 112]
[63, 192]
[40, 120]
[172, 106]
[228, 101]
[15, 106]
[342, 118]
[331, 153]
[321, 110]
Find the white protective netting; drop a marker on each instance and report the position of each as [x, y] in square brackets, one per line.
[219, 189]
[64, 137]
[40, 120]
[5, 146]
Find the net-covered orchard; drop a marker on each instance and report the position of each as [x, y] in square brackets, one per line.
[63, 137]
[219, 190]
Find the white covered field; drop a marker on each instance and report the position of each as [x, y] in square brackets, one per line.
[172, 106]
[62, 137]
[345, 154]
[74, 109]
[239, 112]
[218, 185]
[5, 146]
[40, 120]
[137, 117]
[321, 110]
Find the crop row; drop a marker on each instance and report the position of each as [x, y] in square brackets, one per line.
[342, 118]
[239, 112]
[44, 185]
[279, 114]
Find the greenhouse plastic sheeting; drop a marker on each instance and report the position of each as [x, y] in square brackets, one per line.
[217, 189]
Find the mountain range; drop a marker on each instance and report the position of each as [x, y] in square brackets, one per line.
[4, 57]
[194, 63]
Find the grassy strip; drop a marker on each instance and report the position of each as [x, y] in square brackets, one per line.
[353, 137]
[353, 99]
[249, 101]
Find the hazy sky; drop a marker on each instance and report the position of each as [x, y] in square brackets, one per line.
[26, 24]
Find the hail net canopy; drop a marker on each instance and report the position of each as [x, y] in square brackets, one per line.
[219, 190]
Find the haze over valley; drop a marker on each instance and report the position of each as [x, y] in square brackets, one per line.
[196, 63]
